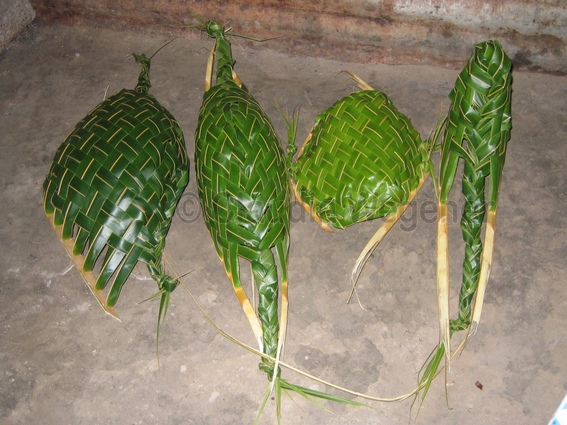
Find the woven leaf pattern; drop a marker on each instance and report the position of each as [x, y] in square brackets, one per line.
[480, 115]
[478, 130]
[113, 187]
[243, 190]
[241, 173]
[362, 161]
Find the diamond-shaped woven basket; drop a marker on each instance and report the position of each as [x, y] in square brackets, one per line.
[361, 160]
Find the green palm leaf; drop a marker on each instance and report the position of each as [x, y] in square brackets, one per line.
[113, 187]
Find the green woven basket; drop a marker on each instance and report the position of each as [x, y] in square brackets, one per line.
[113, 186]
[362, 159]
[244, 192]
[243, 181]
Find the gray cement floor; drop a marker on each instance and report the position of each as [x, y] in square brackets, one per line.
[63, 361]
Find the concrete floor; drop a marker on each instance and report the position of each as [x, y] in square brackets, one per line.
[63, 361]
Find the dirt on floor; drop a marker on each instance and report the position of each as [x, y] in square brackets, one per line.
[63, 361]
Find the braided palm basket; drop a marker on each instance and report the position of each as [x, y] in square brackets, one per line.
[363, 160]
[243, 189]
[243, 183]
[478, 130]
[113, 186]
[481, 116]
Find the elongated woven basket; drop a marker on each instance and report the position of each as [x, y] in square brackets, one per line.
[245, 199]
[361, 161]
[244, 193]
[113, 186]
[241, 173]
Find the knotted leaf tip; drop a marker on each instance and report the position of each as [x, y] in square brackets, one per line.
[214, 28]
[144, 84]
[166, 283]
